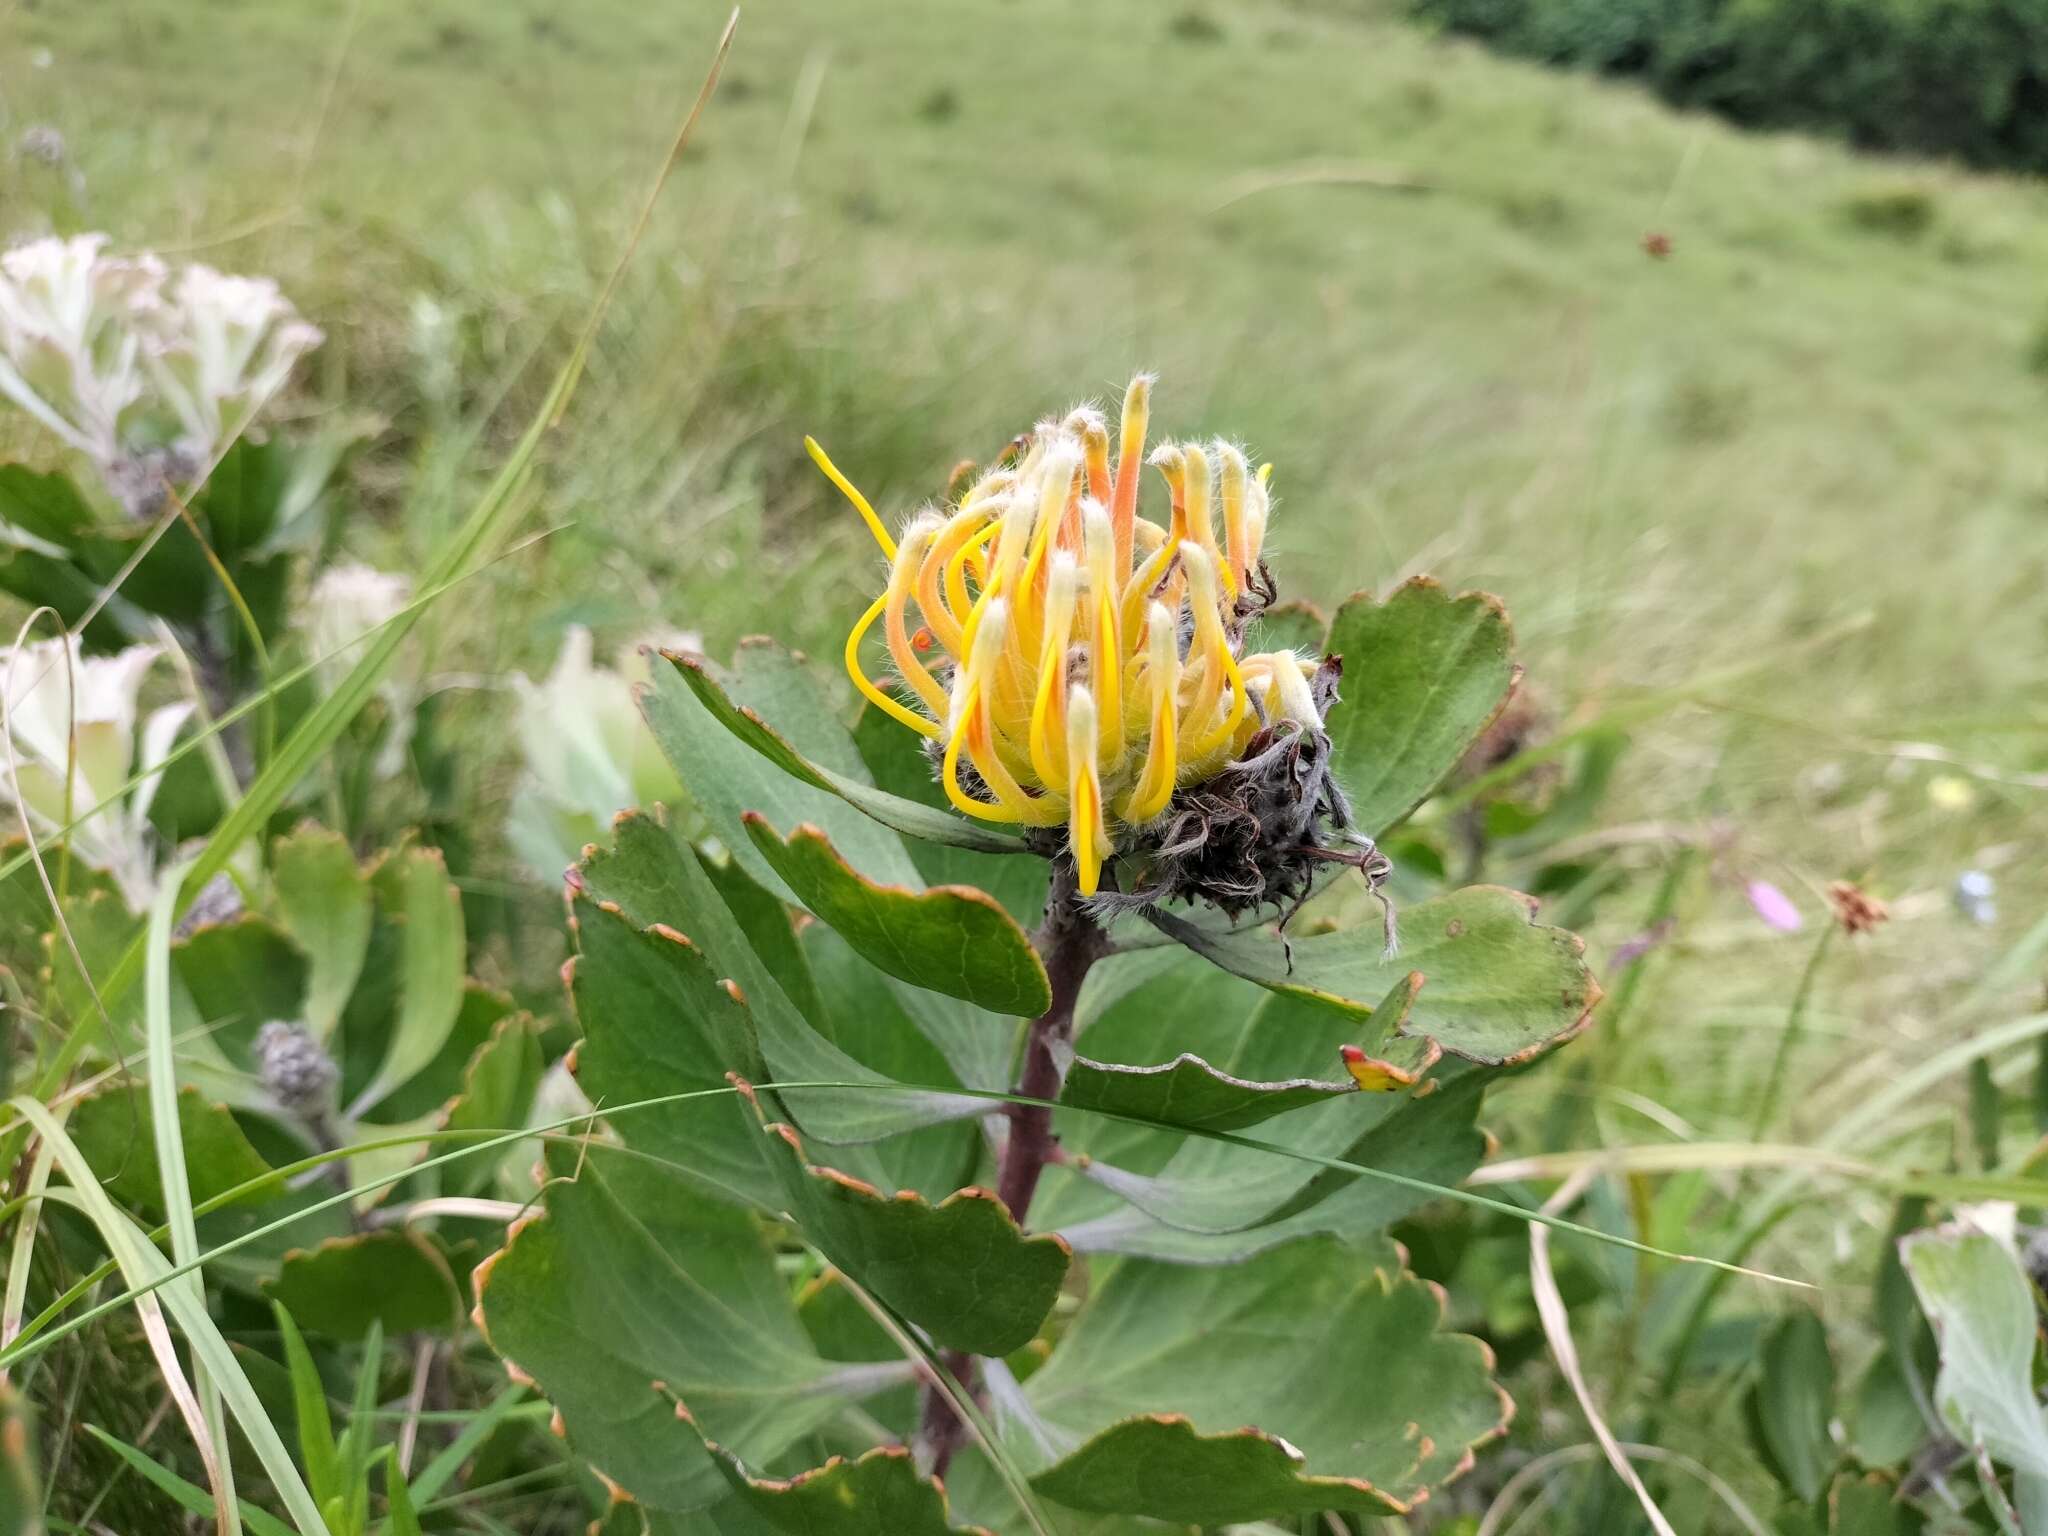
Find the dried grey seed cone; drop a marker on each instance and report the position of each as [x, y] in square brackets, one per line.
[218, 900]
[139, 480]
[295, 1070]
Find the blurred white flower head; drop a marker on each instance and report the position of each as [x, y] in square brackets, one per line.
[588, 752]
[146, 375]
[345, 604]
[73, 716]
[221, 348]
[70, 344]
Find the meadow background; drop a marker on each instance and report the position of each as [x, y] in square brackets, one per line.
[1772, 502]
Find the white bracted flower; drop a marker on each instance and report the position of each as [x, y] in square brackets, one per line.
[219, 350]
[73, 715]
[148, 376]
[346, 603]
[70, 347]
[589, 754]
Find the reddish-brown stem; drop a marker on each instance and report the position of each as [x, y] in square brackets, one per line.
[1069, 941]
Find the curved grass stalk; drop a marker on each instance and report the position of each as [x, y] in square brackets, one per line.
[44, 1330]
[151, 1276]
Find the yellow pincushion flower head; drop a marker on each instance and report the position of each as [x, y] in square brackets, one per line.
[1079, 670]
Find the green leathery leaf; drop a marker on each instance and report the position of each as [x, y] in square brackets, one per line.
[240, 975]
[726, 778]
[655, 880]
[415, 893]
[1885, 1422]
[480, 1017]
[324, 898]
[870, 1017]
[1224, 1210]
[1981, 1303]
[952, 939]
[770, 926]
[1792, 1403]
[896, 758]
[393, 1277]
[632, 1293]
[499, 1083]
[877, 1494]
[1498, 988]
[1867, 1504]
[112, 1128]
[1310, 1378]
[1424, 674]
[962, 1270]
[1189, 1091]
[680, 717]
[657, 1019]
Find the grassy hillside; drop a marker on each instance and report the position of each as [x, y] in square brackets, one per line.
[1779, 497]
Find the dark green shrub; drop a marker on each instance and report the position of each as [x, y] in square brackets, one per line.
[1967, 78]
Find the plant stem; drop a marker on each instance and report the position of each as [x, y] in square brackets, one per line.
[1069, 941]
[1788, 1037]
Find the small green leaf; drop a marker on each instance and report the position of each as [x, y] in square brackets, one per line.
[1982, 1307]
[1792, 1402]
[309, 1400]
[962, 1269]
[1867, 1504]
[877, 1494]
[679, 724]
[1167, 1369]
[241, 974]
[1498, 988]
[954, 939]
[112, 1128]
[1885, 1423]
[1188, 1091]
[1424, 674]
[633, 1293]
[414, 892]
[394, 1278]
[499, 1083]
[324, 898]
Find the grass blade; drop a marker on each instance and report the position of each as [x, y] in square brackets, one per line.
[170, 1160]
[309, 1402]
[436, 1474]
[147, 1271]
[186, 1494]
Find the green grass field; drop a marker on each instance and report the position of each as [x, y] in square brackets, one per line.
[1776, 501]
